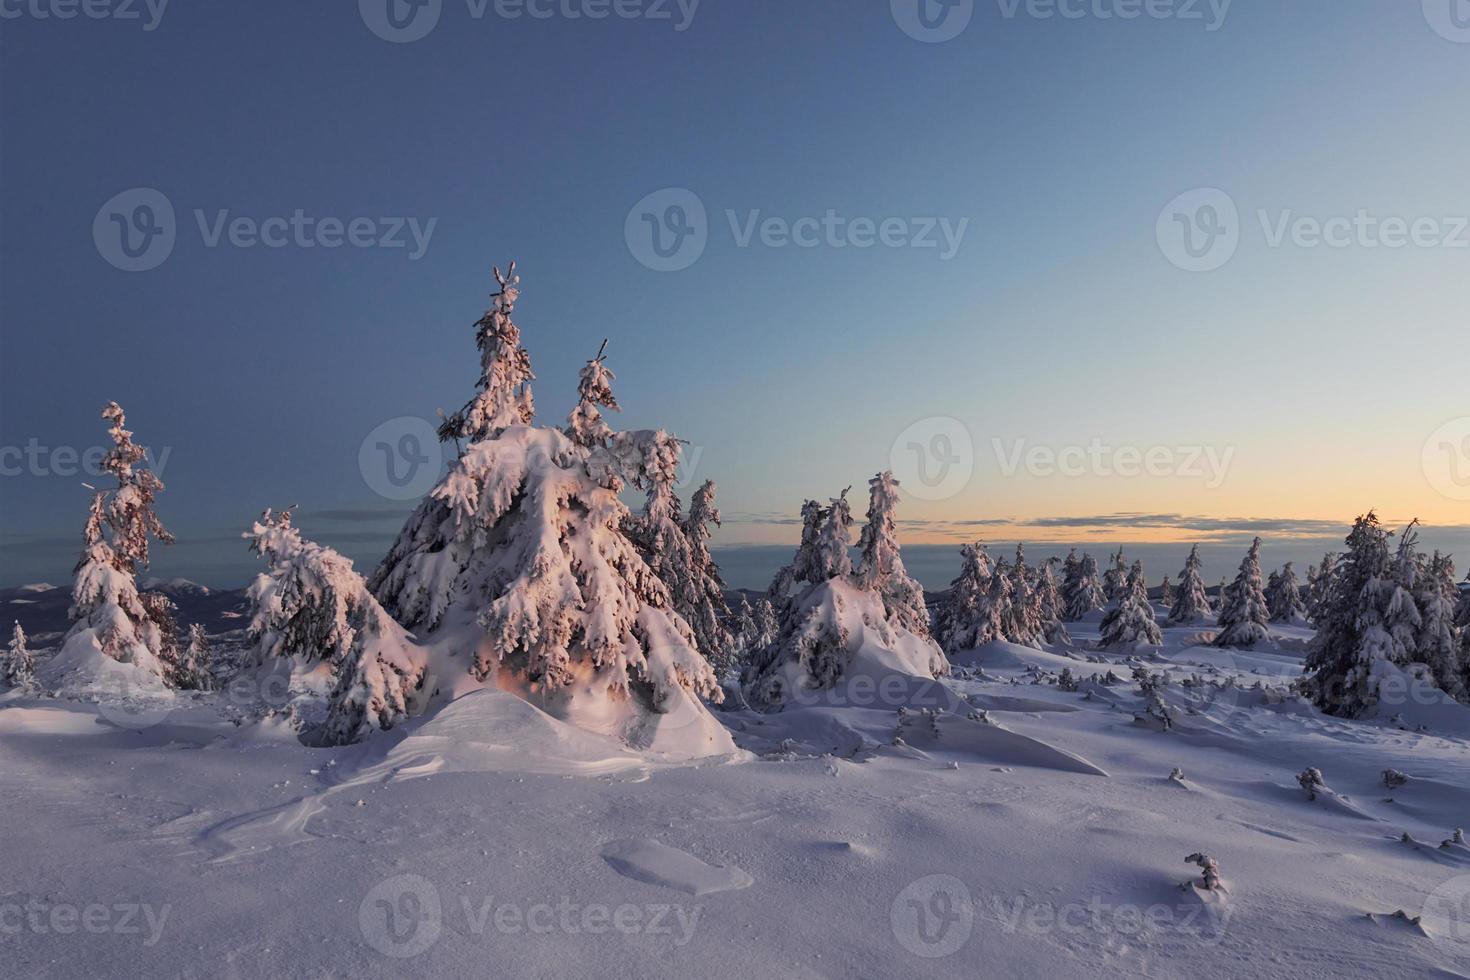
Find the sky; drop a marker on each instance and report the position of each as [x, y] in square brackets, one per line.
[1194, 274]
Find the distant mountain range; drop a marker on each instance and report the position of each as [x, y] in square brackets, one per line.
[41, 609]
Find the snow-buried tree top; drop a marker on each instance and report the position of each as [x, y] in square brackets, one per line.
[519, 565]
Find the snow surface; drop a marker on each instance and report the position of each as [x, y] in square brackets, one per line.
[998, 826]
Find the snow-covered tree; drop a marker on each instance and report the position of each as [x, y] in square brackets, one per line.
[1130, 620]
[521, 558]
[881, 568]
[1049, 606]
[191, 671]
[1319, 584]
[1081, 590]
[1166, 593]
[1243, 614]
[1439, 639]
[1115, 580]
[1192, 603]
[310, 604]
[106, 605]
[1020, 621]
[1284, 597]
[1402, 618]
[1220, 595]
[967, 618]
[19, 669]
[504, 397]
[1352, 638]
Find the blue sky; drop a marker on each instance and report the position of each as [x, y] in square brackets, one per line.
[1058, 322]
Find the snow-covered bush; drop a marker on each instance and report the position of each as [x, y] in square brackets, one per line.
[311, 605]
[19, 668]
[1311, 782]
[1191, 603]
[1130, 621]
[1209, 868]
[1243, 614]
[1393, 779]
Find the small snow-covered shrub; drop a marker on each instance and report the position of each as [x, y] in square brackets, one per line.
[1311, 782]
[1209, 868]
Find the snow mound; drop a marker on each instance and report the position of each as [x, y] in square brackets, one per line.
[82, 670]
[993, 743]
[659, 864]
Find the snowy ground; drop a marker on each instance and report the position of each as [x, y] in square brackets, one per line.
[1045, 838]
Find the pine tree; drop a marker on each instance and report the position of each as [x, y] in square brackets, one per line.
[19, 667]
[1244, 615]
[1130, 622]
[1166, 593]
[1438, 641]
[834, 541]
[192, 669]
[967, 618]
[1284, 597]
[1319, 585]
[1115, 581]
[1049, 606]
[1352, 636]
[1192, 604]
[106, 604]
[526, 539]
[1020, 617]
[881, 567]
[1001, 596]
[504, 397]
[1220, 596]
[1081, 590]
[767, 628]
[1402, 618]
[804, 566]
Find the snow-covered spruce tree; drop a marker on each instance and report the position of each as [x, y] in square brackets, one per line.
[1244, 615]
[1130, 621]
[1049, 606]
[191, 671]
[967, 618]
[1220, 595]
[1020, 621]
[1081, 590]
[1439, 639]
[1352, 638]
[1284, 597]
[880, 567]
[1319, 584]
[676, 549]
[19, 667]
[520, 559]
[504, 397]
[1002, 596]
[1115, 580]
[1166, 593]
[107, 610]
[831, 617]
[767, 627]
[310, 604]
[1192, 604]
[1402, 618]
[1462, 611]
